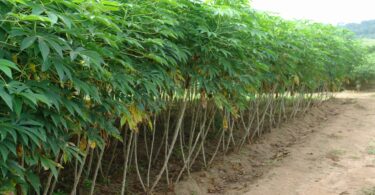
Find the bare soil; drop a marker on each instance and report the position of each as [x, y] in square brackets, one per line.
[330, 150]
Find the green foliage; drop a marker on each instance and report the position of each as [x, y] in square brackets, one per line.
[365, 71]
[71, 68]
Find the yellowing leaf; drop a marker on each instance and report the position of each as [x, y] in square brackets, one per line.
[19, 151]
[15, 58]
[235, 112]
[59, 165]
[225, 124]
[32, 67]
[83, 144]
[92, 144]
[136, 117]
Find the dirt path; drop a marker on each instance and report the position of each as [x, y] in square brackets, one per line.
[331, 150]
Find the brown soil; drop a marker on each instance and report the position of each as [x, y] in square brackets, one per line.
[331, 150]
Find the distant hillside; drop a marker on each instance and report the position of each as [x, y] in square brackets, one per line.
[365, 29]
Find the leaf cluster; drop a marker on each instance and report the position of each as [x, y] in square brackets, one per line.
[70, 69]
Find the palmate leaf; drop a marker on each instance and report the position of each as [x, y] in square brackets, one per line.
[133, 52]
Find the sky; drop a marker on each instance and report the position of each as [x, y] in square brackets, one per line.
[325, 11]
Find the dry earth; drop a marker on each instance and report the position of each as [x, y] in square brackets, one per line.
[330, 150]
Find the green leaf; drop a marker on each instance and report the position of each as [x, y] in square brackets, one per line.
[48, 164]
[6, 97]
[60, 70]
[262, 66]
[93, 56]
[4, 153]
[156, 58]
[34, 181]
[3, 134]
[44, 49]
[55, 46]
[73, 54]
[30, 96]
[46, 65]
[66, 21]
[18, 106]
[27, 42]
[6, 70]
[53, 17]
[37, 9]
[43, 98]
[35, 18]
[9, 64]
[7, 130]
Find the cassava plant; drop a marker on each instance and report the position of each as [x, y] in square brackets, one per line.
[90, 87]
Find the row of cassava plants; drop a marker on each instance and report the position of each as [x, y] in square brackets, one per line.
[364, 74]
[91, 87]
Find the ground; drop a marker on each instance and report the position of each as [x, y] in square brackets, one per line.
[330, 150]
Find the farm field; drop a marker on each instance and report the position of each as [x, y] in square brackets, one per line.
[138, 96]
[329, 151]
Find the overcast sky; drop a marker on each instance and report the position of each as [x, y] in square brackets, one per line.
[326, 11]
